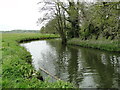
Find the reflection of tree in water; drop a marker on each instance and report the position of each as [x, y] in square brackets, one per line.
[74, 75]
[66, 63]
[103, 66]
[61, 57]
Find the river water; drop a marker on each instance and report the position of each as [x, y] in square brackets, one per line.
[84, 67]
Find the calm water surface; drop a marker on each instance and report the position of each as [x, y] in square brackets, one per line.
[84, 67]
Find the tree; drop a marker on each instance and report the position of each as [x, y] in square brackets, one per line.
[72, 17]
[75, 19]
[106, 18]
[50, 27]
[61, 24]
[58, 16]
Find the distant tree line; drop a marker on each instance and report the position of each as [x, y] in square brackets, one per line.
[84, 20]
[21, 31]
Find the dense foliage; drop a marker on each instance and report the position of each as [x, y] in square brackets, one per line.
[85, 20]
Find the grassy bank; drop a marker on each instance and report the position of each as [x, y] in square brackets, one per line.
[17, 72]
[103, 44]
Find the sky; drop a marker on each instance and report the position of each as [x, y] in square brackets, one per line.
[19, 14]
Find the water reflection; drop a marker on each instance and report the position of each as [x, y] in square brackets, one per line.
[82, 66]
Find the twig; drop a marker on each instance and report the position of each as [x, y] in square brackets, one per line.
[49, 74]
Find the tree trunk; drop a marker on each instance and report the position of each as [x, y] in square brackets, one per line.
[64, 39]
[75, 29]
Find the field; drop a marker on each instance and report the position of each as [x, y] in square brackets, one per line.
[17, 71]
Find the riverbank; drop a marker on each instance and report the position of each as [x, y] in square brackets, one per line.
[102, 44]
[17, 71]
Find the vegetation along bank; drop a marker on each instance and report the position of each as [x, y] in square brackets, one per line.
[17, 71]
[94, 25]
[102, 44]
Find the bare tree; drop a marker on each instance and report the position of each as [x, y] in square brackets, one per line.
[54, 11]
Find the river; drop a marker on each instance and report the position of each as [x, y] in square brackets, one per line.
[84, 67]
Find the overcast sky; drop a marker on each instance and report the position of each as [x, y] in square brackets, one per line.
[19, 14]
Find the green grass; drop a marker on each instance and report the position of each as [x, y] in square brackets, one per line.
[103, 44]
[17, 72]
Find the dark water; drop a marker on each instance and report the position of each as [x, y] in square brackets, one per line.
[84, 67]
